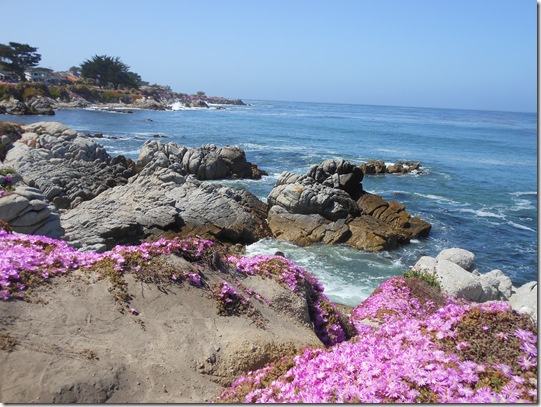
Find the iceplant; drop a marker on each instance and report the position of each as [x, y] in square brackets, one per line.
[409, 353]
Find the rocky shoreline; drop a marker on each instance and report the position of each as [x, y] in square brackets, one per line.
[42, 102]
[159, 320]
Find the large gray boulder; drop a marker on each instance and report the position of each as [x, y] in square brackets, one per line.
[461, 257]
[454, 279]
[328, 205]
[304, 195]
[208, 162]
[524, 299]
[26, 211]
[37, 105]
[66, 166]
[165, 201]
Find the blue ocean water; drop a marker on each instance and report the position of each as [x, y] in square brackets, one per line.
[479, 191]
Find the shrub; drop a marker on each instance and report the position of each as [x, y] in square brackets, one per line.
[432, 280]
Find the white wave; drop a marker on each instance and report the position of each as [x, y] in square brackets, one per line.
[124, 152]
[438, 198]
[519, 193]
[522, 227]
[483, 213]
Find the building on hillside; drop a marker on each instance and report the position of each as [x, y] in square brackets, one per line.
[45, 75]
[6, 76]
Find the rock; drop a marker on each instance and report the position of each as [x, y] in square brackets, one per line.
[329, 205]
[41, 105]
[305, 230]
[150, 205]
[26, 211]
[67, 167]
[339, 174]
[460, 257]
[374, 167]
[405, 226]
[37, 105]
[9, 133]
[206, 163]
[524, 299]
[503, 283]
[458, 282]
[304, 195]
[14, 106]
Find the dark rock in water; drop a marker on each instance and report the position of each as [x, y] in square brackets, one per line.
[374, 167]
[329, 205]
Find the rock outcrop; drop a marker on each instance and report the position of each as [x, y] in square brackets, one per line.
[67, 167]
[71, 170]
[206, 163]
[26, 211]
[165, 201]
[455, 271]
[329, 205]
[37, 105]
[375, 167]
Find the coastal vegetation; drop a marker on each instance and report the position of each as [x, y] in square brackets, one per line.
[407, 342]
[109, 71]
[16, 58]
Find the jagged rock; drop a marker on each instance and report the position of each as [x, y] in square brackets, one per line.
[339, 174]
[41, 105]
[14, 106]
[206, 163]
[403, 167]
[26, 211]
[67, 167]
[37, 105]
[165, 201]
[304, 195]
[375, 167]
[329, 205]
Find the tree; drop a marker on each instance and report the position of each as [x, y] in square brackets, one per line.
[75, 70]
[109, 71]
[17, 58]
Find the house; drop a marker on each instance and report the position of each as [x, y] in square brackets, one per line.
[45, 75]
[6, 76]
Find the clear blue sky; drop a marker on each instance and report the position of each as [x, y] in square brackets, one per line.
[471, 54]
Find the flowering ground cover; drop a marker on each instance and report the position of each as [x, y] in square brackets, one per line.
[412, 351]
[406, 343]
[329, 325]
[28, 260]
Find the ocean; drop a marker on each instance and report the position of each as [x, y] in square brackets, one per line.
[478, 186]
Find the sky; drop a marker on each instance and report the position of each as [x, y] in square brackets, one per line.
[465, 54]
